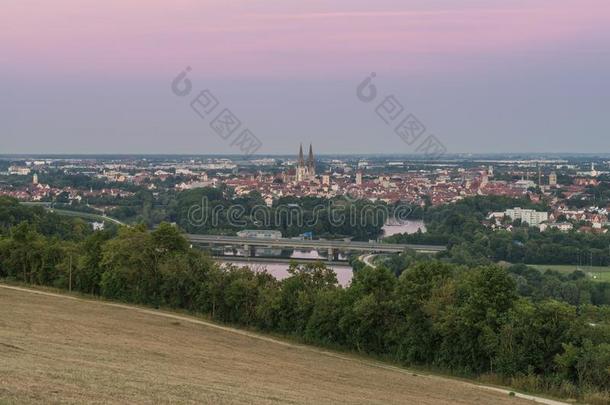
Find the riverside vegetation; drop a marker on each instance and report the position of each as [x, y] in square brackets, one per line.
[472, 320]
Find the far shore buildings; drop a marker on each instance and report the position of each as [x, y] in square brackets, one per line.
[553, 179]
[562, 226]
[531, 217]
[19, 170]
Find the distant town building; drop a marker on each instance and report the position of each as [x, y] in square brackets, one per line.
[584, 182]
[484, 180]
[531, 217]
[19, 170]
[591, 173]
[359, 178]
[525, 184]
[194, 184]
[562, 226]
[35, 179]
[553, 179]
[306, 171]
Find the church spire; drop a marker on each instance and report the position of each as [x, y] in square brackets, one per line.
[310, 162]
[301, 160]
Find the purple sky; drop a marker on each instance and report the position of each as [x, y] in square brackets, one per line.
[483, 76]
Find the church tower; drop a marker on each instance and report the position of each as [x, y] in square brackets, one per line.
[301, 160]
[306, 170]
[311, 164]
[301, 169]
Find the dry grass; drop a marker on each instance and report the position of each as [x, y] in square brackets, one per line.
[54, 349]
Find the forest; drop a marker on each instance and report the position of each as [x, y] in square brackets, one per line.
[220, 211]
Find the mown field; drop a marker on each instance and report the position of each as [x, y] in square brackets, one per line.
[597, 273]
[58, 349]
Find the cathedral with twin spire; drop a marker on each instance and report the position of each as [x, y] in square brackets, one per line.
[306, 171]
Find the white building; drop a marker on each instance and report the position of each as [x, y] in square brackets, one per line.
[562, 226]
[531, 217]
[193, 184]
[525, 184]
[20, 171]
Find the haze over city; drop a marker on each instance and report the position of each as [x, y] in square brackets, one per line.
[95, 77]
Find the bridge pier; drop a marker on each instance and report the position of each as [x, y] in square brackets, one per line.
[249, 251]
[333, 255]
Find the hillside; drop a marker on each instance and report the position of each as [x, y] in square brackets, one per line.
[61, 349]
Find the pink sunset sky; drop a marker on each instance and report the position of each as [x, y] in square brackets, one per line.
[556, 48]
[273, 37]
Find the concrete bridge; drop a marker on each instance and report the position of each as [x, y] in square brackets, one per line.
[333, 246]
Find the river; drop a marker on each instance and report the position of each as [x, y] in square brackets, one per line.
[344, 271]
[411, 226]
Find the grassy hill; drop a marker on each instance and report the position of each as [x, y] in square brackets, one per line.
[60, 349]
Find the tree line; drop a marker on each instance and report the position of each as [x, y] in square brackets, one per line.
[461, 226]
[219, 210]
[469, 320]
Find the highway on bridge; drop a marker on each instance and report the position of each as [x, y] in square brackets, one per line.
[313, 244]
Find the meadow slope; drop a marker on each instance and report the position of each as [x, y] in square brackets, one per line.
[60, 349]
